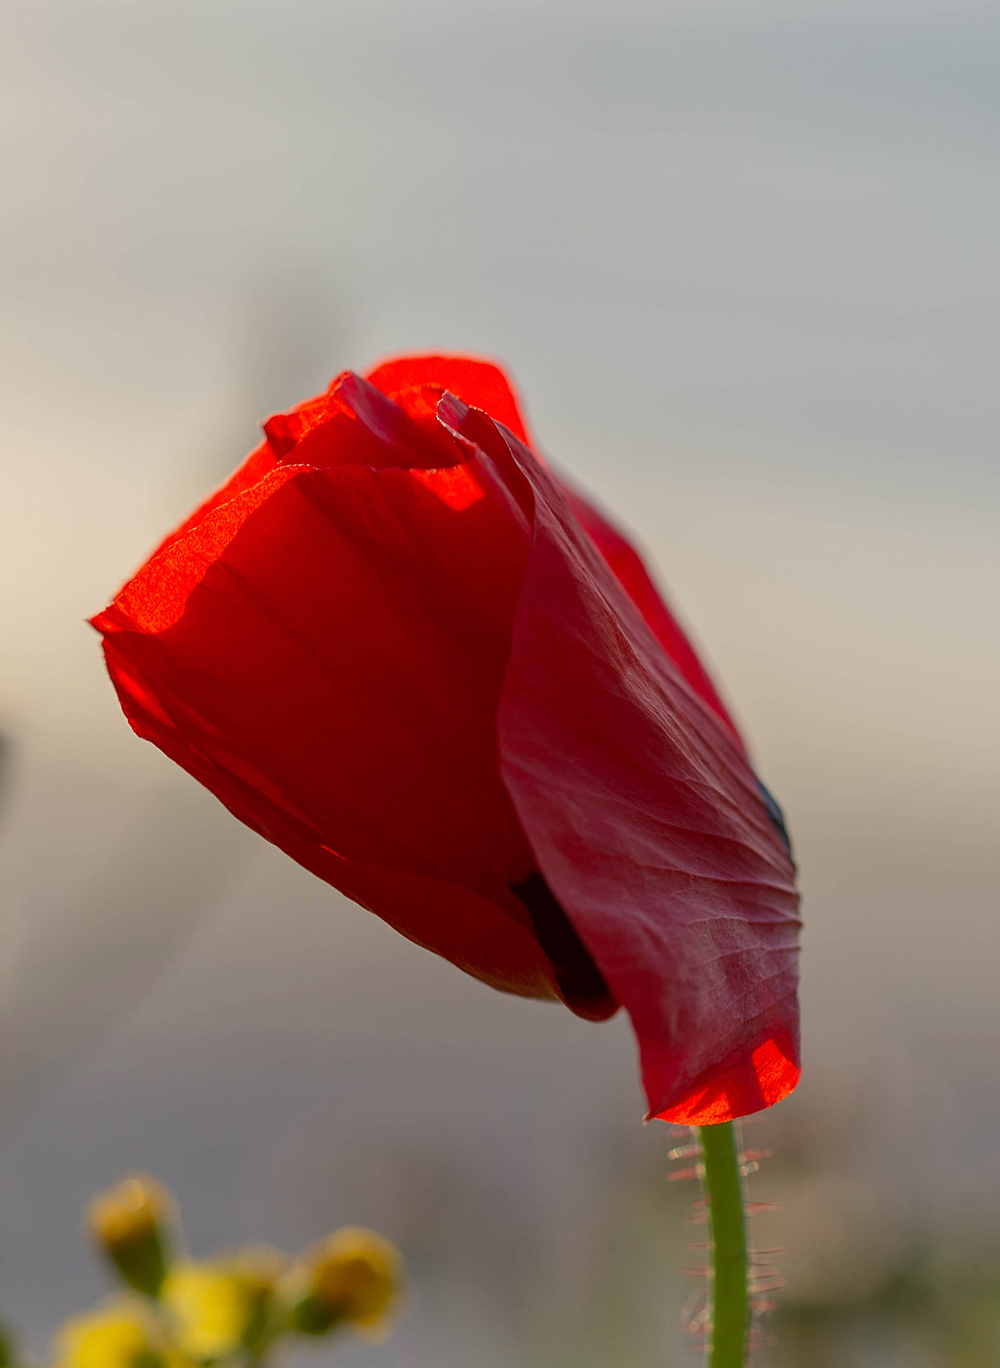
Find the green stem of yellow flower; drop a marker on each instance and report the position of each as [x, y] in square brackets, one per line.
[724, 1193]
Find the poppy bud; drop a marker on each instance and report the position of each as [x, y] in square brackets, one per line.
[353, 1278]
[400, 647]
[128, 1222]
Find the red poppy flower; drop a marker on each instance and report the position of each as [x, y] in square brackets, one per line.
[397, 646]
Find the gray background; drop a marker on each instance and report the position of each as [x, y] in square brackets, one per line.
[742, 260]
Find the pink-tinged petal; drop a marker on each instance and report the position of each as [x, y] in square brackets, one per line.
[634, 578]
[645, 819]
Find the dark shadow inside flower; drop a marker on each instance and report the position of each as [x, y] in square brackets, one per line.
[580, 981]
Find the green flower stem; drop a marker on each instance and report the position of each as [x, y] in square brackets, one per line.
[724, 1192]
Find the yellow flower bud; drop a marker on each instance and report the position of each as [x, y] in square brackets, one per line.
[353, 1277]
[117, 1336]
[129, 1223]
[215, 1308]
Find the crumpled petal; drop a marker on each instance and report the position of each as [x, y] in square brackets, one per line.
[646, 820]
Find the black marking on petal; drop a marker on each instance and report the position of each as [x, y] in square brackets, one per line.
[777, 816]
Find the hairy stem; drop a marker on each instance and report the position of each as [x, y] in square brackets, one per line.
[724, 1191]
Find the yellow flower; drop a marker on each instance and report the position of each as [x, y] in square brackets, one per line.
[118, 1336]
[129, 1224]
[216, 1307]
[353, 1277]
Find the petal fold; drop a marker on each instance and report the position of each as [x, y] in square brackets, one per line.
[646, 821]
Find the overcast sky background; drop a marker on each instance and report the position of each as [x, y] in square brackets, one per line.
[742, 262]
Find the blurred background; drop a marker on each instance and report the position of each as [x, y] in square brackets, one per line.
[742, 260]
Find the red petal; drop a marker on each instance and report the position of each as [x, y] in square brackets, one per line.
[646, 821]
[483, 385]
[325, 651]
[327, 431]
[287, 428]
[356, 424]
[634, 578]
[476, 382]
[258, 464]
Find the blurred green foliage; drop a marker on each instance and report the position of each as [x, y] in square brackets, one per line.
[923, 1313]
